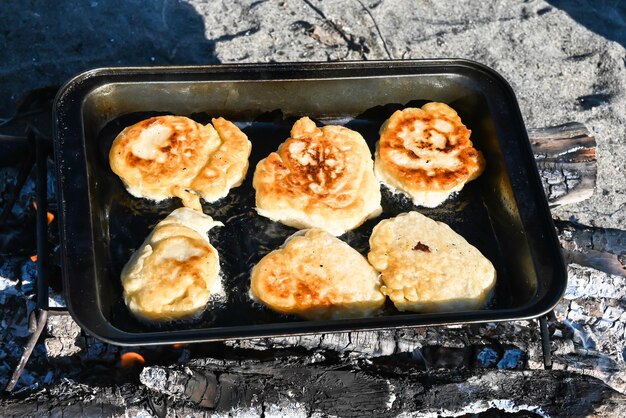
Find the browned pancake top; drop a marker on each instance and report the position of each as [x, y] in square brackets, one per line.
[312, 288]
[317, 276]
[323, 166]
[315, 169]
[179, 153]
[169, 156]
[175, 270]
[428, 149]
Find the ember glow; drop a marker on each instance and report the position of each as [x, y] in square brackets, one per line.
[49, 215]
[131, 359]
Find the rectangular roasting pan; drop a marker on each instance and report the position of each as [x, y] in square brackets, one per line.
[504, 213]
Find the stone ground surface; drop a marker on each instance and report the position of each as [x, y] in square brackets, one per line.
[565, 59]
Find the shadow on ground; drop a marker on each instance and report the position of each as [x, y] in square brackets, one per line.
[606, 18]
[52, 41]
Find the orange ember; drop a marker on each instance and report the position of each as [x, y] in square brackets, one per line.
[49, 215]
[131, 358]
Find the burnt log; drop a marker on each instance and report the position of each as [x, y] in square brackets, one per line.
[600, 248]
[367, 391]
[268, 390]
[566, 160]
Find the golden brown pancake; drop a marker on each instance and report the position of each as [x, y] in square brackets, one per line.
[175, 271]
[427, 267]
[318, 178]
[317, 276]
[427, 154]
[168, 156]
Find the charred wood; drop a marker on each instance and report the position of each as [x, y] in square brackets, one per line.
[600, 248]
[274, 391]
[566, 159]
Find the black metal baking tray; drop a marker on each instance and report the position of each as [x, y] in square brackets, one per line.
[503, 213]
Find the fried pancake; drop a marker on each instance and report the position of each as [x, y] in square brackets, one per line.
[427, 154]
[168, 156]
[427, 267]
[175, 271]
[317, 276]
[318, 178]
